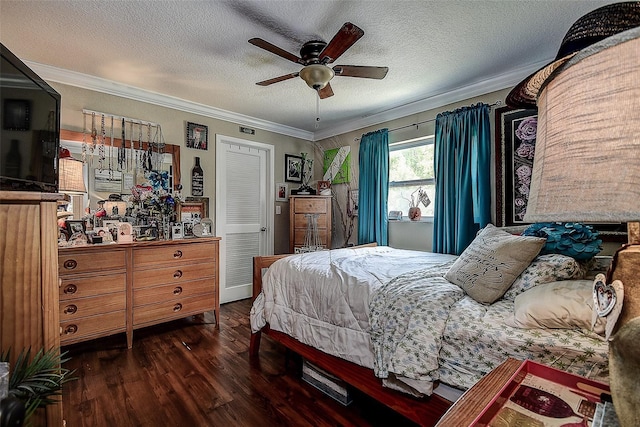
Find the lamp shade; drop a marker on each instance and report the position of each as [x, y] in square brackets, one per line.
[587, 158]
[71, 176]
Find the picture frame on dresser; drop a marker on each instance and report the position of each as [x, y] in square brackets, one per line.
[191, 211]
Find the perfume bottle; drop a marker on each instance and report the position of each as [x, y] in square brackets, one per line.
[197, 179]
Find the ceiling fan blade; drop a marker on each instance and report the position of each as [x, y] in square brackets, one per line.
[275, 50]
[361, 71]
[278, 79]
[325, 92]
[343, 40]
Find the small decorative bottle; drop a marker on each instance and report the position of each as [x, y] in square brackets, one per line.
[197, 179]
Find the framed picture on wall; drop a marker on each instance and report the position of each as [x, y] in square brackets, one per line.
[197, 136]
[282, 192]
[292, 168]
[515, 149]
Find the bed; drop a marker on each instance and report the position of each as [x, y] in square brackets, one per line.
[393, 324]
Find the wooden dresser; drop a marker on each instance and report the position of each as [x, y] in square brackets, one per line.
[301, 205]
[29, 279]
[112, 288]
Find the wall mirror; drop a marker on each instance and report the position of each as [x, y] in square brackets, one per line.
[110, 178]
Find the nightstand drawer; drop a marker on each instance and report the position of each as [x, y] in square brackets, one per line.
[172, 292]
[82, 307]
[175, 254]
[73, 287]
[72, 262]
[82, 329]
[154, 313]
[173, 275]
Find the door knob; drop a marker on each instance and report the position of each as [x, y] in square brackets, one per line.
[263, 228]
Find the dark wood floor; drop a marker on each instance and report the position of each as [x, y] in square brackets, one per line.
[187, 373]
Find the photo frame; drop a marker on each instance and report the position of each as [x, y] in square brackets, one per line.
[282, 192]
[293, 168]
[197, 136]
[324, 186]
[177, 231]
[191, 212]
[515, 137]
[74, 226]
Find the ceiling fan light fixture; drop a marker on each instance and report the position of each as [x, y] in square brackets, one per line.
[316, 76]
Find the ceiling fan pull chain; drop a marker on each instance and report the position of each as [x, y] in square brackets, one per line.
[317, 110]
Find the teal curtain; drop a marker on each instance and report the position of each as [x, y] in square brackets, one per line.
[463, 181]
[373, 162]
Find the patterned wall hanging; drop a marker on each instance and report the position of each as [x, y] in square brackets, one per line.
[337, 165]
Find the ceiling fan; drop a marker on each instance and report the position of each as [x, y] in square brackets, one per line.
[316, 54]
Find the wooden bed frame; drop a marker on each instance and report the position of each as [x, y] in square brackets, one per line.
[425, 411]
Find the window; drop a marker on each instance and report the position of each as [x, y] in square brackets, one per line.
[410, 167]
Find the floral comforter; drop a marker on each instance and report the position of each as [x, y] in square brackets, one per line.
[392, 311]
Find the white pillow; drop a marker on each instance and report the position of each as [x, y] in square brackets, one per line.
[490, 264]
[545, 269]
[567, 304]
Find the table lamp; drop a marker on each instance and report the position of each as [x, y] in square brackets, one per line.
[587, 169]
[71, 179]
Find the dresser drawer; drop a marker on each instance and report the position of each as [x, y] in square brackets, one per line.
[161, 312]
[73, 287]
[82, 307]
[310, 205]
[94, 326]
[300, 233]
[72, 262]
[301, 221]
[174, 254]
[173, 275]
[172, 292]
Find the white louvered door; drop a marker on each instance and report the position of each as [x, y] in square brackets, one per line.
[243, 207]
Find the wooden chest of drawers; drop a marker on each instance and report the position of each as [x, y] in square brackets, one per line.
[93, 285]
[299, 206]
[108, 289]
[174, 281]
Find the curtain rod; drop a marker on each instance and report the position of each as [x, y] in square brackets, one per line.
[432, 120]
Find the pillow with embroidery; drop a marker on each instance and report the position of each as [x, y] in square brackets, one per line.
[490, 264]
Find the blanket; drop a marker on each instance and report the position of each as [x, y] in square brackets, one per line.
[408, 316]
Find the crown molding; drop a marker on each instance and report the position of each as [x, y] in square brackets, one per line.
[85, 81]
[502, 81]
[98, 84]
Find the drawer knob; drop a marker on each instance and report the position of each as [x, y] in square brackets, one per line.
[177, 274]
[177, 307]
[70, 264]
[70, 309]
[177, 254]
[70, 289]
[177, 290]
[71, 329]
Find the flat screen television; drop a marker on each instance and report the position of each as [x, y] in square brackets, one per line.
[29, 128]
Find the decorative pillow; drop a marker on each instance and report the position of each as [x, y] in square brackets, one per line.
[576, 240]
[545, 269]
[567, 304]
[490, 264]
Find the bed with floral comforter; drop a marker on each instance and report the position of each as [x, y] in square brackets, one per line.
[395, 312]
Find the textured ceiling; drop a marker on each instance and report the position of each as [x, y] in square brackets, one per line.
[197, 51]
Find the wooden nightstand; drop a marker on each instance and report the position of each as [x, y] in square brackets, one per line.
[474, 400]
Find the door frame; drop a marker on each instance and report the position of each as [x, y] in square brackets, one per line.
[270, 196]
